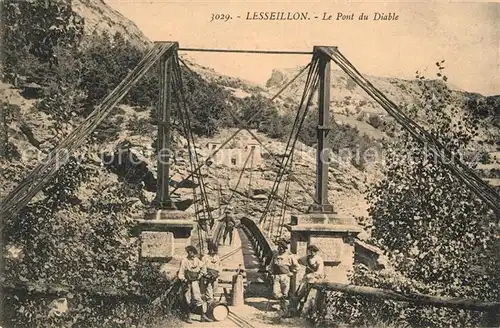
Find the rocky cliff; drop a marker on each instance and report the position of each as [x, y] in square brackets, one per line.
[100, 17]
[33, 134]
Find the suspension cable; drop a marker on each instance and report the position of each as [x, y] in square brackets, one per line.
[186, 128]
[239, 178]
[308, 92]
[461, 171]
[273, 214]
[248, 122]
[200, 177]
[43, 172]
[285, 198]
[313, 68]
[280, 176]
[231, 113]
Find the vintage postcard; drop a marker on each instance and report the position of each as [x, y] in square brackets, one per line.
[249, 163]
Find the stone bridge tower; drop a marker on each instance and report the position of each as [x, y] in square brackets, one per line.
[321, 226]
[165, 231]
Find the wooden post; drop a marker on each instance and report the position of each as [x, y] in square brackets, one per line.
[238, 299]
[323, 149]
[164, 147]
[414, 298]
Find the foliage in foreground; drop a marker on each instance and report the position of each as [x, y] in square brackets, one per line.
[361, 311]
[441, 239]
[84, 247]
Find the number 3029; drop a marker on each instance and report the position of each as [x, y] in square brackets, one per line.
[220, 17]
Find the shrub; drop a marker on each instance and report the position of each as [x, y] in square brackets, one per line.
[485, 158]
[375, 120]
[106, 131]
[7, 113]
[84, 247]
[249, 106]
[32, 31]
[350, 84]
[140, 126]
[279, 127]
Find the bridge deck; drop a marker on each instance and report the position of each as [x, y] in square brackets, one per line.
[240, 252]
[257, 310]
[230, 263]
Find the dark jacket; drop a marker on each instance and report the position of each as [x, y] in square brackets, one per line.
[229, 221]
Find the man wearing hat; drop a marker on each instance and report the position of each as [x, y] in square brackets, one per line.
[315, 271]
[190, 272]
[282, 267]
[229, 224]
[212, 264]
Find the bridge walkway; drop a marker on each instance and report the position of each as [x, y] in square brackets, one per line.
[259, 309]
[239, 253]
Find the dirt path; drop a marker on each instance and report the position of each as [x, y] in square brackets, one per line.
[258, 310]
[254, 313]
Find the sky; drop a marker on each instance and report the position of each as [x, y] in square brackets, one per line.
[464, 34]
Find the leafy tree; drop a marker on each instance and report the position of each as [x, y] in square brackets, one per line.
[279, 126]
[206, 101]
[440, 236]
[107, 60]
[426, 214]
[84, 246]
[248, 107]
[32, 30]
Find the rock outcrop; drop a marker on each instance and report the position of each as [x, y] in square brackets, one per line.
[99, 17]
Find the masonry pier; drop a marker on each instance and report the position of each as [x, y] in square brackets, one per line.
[321, 226]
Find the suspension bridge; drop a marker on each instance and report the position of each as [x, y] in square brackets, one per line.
[167, 230]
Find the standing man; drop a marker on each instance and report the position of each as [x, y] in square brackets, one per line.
[282, 267]
[212, 263]
[229, 224]
[315, 270]
[190, 272]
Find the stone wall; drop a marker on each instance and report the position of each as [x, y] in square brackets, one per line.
[234, 157]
